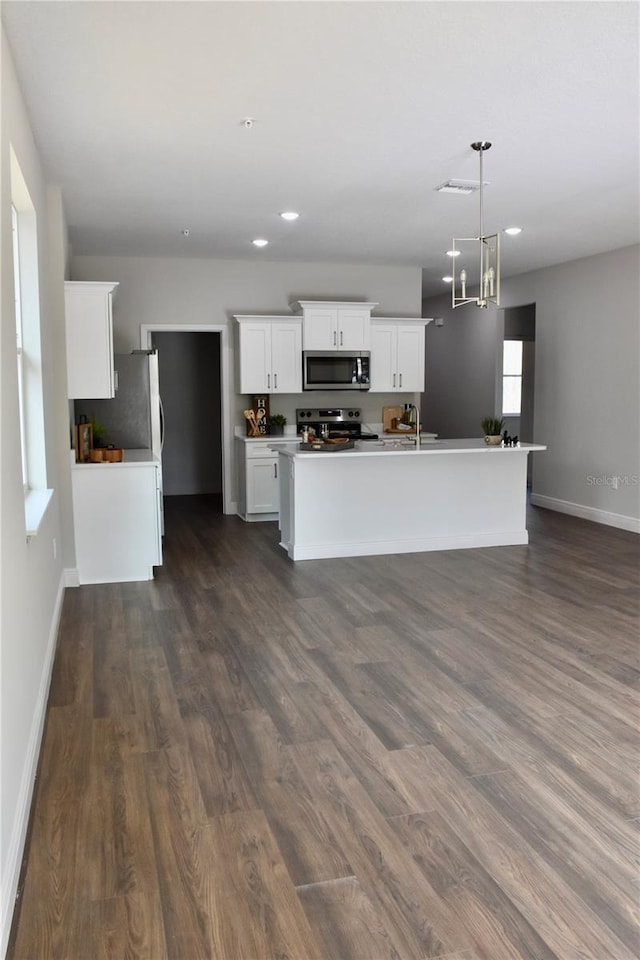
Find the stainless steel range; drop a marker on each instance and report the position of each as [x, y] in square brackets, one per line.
[332, 422]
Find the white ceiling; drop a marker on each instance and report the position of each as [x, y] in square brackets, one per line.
[361, 109]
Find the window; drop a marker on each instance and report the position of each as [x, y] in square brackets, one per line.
[28, 349]
[19, 344]
[512, 378]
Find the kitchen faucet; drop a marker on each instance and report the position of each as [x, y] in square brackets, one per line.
[413, 406]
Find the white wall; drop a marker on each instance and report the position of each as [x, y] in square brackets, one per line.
[587, 396]
[30, 577]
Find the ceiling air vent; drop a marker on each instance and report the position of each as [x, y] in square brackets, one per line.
[462, 187]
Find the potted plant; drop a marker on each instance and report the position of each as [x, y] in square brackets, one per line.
[492, 428]
[277, 424]
[99, 432]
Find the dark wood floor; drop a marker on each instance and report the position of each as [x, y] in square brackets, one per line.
[432, 755]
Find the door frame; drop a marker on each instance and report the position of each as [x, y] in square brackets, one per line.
[146, 335]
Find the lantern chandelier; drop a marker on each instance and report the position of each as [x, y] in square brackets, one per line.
[476, 260]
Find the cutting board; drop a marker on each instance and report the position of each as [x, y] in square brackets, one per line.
[389, 414]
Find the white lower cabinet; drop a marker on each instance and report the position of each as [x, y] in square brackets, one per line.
[258, 466]
[397, 356]
[117, 521]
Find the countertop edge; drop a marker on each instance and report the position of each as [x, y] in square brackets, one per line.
[429, 449]
[132, 458]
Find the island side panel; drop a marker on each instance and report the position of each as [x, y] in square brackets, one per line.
[357, 506]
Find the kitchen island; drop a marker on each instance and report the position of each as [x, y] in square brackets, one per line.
[381, 499]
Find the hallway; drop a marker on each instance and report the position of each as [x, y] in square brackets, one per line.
[421, 756]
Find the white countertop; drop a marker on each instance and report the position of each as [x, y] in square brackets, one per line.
[399, 447]
[241, 435]
[132, 458]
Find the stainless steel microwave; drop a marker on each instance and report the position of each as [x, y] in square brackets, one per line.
[337, 370]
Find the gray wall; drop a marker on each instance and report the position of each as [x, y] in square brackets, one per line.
[461, 368]
[587, 396]
[156, 290]
[189, 365]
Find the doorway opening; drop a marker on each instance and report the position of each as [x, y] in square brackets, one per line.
[517, 382]
[193, 363]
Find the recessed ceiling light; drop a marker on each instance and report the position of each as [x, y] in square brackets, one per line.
[513, 231]
[289, 215]
[260, 243]
[185, 232]
[453, 253]
[448, 279]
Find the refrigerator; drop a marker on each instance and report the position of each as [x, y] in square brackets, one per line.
[134, 419]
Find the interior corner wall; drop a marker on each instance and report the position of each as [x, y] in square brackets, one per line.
[31, 586]
[461, 366]
[587, 390]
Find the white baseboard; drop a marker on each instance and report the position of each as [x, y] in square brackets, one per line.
[71, 577]
[21, 819]
[374, 548]
[587, 513]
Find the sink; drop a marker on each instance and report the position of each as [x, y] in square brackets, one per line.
[393, 446]
[381, 445]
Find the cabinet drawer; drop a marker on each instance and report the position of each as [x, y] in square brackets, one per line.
[257, 450]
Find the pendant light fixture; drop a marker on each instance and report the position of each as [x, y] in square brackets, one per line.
[476, 260]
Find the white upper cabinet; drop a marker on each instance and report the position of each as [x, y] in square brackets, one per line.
[89, 332]
[269, 354]
[397, 355]
[332, 325]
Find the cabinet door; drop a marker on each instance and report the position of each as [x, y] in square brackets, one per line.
[116, 523]
[410, 358]
[263, 493]
[89, 333]
[354, 325]
[384, 376]
[286, 358]
[321, 328]
[255, 358]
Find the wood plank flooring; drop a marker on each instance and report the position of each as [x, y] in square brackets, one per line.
[383, 758]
